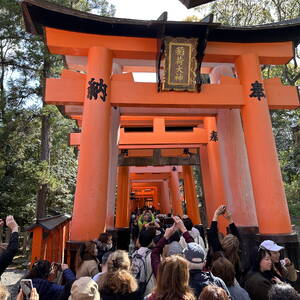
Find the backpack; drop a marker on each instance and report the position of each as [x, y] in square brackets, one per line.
[139, 270]
[200, 280]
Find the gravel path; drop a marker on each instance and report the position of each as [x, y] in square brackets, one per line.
[10, 279]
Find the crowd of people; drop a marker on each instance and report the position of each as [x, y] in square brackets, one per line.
[172, 259]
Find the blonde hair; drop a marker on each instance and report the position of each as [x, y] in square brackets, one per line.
[173, 279]
[4, 293]
[230, 245]
[118, 278]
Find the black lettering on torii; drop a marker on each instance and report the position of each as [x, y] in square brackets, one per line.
[257, 90]
[95, 88]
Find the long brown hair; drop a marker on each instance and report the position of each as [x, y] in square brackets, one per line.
[212, 292]
[85, 252]
[224, 269]
[173, 279]
[118, 279]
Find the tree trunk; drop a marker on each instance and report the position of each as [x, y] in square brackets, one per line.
[45, 155]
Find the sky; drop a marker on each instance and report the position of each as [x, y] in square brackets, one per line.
[151, 9]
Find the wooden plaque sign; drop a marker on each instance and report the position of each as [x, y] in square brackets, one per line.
[180, 64]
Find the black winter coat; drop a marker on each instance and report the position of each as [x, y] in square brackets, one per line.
[8, 254]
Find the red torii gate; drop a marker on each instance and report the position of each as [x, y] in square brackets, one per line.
[97, 43]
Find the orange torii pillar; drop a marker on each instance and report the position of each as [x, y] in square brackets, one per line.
[234, 160]
[215, 170]
[207, 184]
[165, 206]
[122, 207]
[271, 206]
[157, 196]
[235, 168]
[89, 213]
[176, 197]
[192, 204]
[113, 166]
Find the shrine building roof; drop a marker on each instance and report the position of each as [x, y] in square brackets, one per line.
[40, 13]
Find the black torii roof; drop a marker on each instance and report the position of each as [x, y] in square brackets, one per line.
[50, 223]
[40, 13]
[194, 3]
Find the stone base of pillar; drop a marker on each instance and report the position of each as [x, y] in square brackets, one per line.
[70, 253]
[290, 243]
[250, 238]
[122, 237]
[249, 241]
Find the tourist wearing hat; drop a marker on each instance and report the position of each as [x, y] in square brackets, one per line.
[84, 288]
[199, 279]
[283, 269]
[260, 278]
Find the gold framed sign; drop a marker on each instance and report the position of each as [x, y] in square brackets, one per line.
[180, 64]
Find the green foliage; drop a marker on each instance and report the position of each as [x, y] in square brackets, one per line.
[24, 65]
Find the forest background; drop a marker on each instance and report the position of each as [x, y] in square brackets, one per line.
[37, 166]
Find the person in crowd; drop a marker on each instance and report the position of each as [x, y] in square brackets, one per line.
[172, 280]
[141, 262]
[84, 288]
[284, 269]
[212, 292]
[4, 293]
[145, 218]
[224, 269]
[158, 249]
[199, 279]
[33, 295]
[194, 233]
[8, 254]
[173, 247]
[104, 244]
[134, 228]
[67, 290]
[39, 274]
[86, 263]
[283, 291]
[230, 244]
[260, 279]
[118, 283]
[103, 266]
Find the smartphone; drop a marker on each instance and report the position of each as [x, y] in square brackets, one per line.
[168, 222]
[224, 209]
[26, 286]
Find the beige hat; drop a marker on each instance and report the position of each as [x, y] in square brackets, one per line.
[84, 288]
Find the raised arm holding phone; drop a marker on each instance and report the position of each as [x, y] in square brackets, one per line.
[8, 254]
[229, 246]
[158, 249]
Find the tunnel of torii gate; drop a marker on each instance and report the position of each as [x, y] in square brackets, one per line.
[142, 137]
